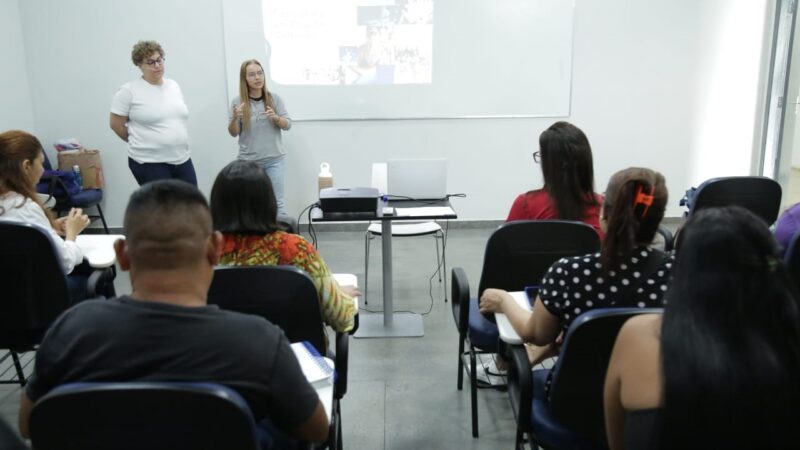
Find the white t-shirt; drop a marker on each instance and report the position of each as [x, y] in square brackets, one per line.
[31, 212]
[157, 121]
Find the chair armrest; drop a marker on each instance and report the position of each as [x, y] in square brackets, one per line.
[355, 325]
[520, 383]
[669, 239]
[102, 279]
[342, 349]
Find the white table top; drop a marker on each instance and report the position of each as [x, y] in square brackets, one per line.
[507, 333]
[98, 249]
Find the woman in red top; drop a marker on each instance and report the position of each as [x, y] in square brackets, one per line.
[568, 192]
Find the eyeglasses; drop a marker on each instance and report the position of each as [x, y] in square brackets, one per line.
[255, 74]
[152, 62]
[537, 157]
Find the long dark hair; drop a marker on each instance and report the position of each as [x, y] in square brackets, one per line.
[16, 147]
[730, 338]
[243, 201]
[567, 168]
[630, 220]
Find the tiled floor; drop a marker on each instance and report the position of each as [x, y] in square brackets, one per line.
[401, 392]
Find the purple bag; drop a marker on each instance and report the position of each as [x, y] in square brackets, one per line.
[58, 183]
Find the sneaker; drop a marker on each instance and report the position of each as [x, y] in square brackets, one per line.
[493, 369]
[485, 377]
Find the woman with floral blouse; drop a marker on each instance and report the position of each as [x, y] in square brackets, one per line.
[244, 209]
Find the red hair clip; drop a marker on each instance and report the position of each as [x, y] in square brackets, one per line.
[642, 198]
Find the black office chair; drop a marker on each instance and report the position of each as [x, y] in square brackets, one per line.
[142, 415]
[34, 289]
[667, 238]
[518, 254]
[286, 296]
[65, 201]
[573, 417]
[760, 195]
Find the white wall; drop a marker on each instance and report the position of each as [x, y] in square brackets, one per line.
[655, 84]
[15, 102]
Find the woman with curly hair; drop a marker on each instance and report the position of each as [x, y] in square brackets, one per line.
[150, 115]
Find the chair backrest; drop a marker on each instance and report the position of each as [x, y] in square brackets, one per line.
[760, 195]
[519, 253]
[792, 259]
[576, 392]
[46, 162]
[460, 299]
[284, 295]
[34, 285]
[142, 415]
[288, 223]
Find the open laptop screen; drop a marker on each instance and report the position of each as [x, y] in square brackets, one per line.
[419, 179]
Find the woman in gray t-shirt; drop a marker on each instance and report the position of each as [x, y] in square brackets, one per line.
[258, 123]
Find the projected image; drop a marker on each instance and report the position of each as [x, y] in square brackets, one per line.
[349, 42]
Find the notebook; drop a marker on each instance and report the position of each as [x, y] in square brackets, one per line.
[418, 179]
[314, 367]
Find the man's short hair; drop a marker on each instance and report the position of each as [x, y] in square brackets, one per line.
[167, 224]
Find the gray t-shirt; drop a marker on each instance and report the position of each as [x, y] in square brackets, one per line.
[262, 142]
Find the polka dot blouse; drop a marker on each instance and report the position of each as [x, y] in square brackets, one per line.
[575, 285]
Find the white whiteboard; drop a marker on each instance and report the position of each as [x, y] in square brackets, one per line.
[488, 58]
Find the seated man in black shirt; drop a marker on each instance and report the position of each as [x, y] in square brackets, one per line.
[165, 331]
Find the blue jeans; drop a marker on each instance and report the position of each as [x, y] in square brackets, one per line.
[275, 172]
[77, 281]
[147, 172]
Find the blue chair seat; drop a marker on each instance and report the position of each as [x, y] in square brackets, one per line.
[483, 334]
[546, 427]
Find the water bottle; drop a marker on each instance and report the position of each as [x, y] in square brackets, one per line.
[76, 169]
[325, 178]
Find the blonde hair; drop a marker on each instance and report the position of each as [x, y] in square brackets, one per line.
[244, 93]
[143, 49]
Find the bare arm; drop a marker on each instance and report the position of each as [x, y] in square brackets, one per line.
[25, 406]
[542, 327]
[278, 121]
[500, 301]
[233, 126]
[282, 123]
[612, 397]
[119, 124]
[539, 327]
[315, 429]
[633, 381]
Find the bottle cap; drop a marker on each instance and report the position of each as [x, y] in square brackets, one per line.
[76, 167]
[325, 170]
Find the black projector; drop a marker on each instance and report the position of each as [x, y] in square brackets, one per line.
[349, 200]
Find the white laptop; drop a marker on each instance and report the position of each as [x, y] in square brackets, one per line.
[418, 179]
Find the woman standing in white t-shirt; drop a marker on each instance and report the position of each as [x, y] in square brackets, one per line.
[21, 166]
[150, 115]
[258, 122]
